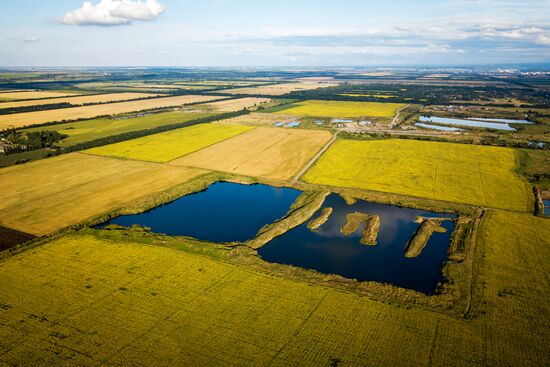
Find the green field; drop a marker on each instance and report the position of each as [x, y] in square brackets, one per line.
[471, 174]
[84, 131]
[172, 144]
[81, 300]
[343, 109]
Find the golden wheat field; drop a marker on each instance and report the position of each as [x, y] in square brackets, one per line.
[258, 119]
[232, 105]
[30, 94]
[265, 152]
[343, 109]
[43, 196]
[80, 100]
[172, 144]
[276, 89]
[471, 174]
[82, 300]
[39, 117]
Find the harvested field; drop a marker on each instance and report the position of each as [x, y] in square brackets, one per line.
[83, 131]
[10, 238]
[75, 113]
[265, 152]
[25, 94]
[276, 89]
[81, 300]
[470, 174]
[232, 105]
[80, 100]
[172, 144]
[343, 109]
[258, 119]
[44, 196]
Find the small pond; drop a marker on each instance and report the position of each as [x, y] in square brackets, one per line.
[328, 251]
[224, 212]
[547, 208]
[437, 127]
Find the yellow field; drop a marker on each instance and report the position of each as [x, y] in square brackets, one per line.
[33, 95]
[43, 196]
[236, 104]
[80, 100]
[84, 301]
[342, 109]
[384, 96]
[172, 144]
[276, 89]
[265, 152]
[460, 173]
[39, 117]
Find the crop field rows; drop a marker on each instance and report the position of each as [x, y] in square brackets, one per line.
[74, 113]
[232, 105]
[342, 109]
[469, 174]
[265, 152]
[172, 144]
[21, 95]
[276, 89]
[132, 304]
[97, 184]
[80, 100]
[84, 131]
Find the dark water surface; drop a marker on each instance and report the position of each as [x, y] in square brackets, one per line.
[224, 212]
[329, 251]
[547, 208]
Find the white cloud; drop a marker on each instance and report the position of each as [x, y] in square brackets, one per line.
[113, 12]
[543, 40]
[30, 39]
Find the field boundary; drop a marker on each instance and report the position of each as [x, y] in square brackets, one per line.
[316, 157]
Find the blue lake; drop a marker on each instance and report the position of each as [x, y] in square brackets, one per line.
[437, 127]
[224, 212]
[547, 208]
[328, 251]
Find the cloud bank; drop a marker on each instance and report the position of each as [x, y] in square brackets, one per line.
[113, 12]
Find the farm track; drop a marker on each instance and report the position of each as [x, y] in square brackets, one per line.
[316, 157]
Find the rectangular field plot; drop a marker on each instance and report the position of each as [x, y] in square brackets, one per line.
[81, 300]
[39, 117]
[342, 109]
[469, 174]
[44, 196]
[172, 144]
[276, 89]
[27, 94]
[236, 104]
[79, 100]
[84, 131]
[265, 152]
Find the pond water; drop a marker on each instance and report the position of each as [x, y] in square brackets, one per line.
[224, 212]
[506, 121]
[293, 124]
[465, 122]
[547, 208]
[328, 251]
[538, 144]
[437, 127]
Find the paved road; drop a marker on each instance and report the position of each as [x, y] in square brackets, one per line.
[314, 159]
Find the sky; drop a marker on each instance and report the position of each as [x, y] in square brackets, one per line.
[286, 33]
